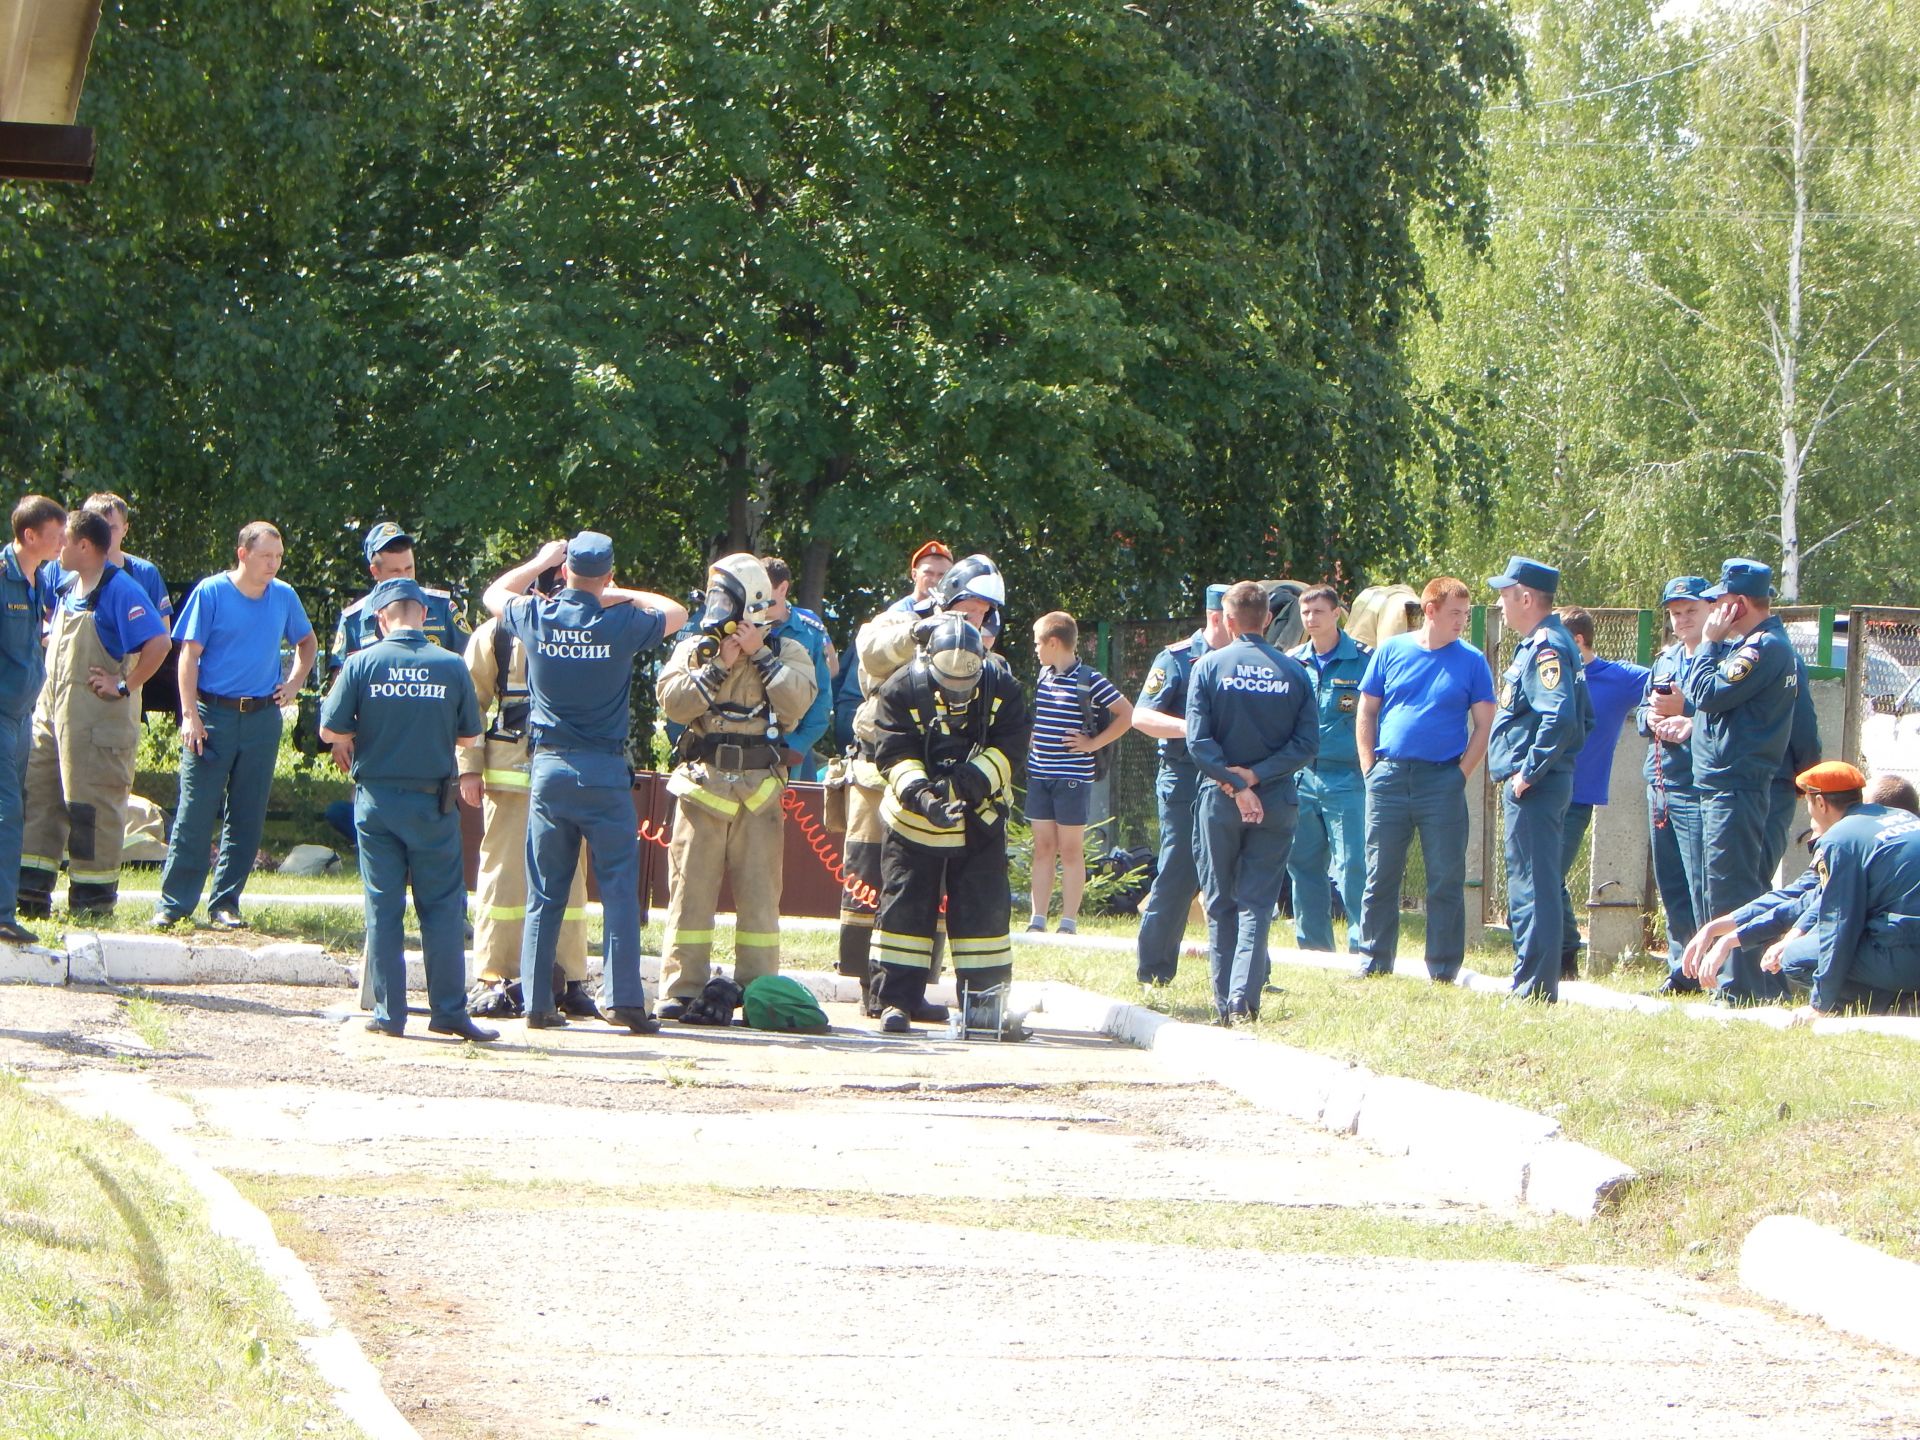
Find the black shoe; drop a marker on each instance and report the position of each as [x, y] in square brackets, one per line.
[929, 1012]
[497, 1002]
[35, 907]
[1676, 985]
[546, 1020]
[14, 933]
[381, 1027]
[226, 918]
[634, 1017]
[577, 1003]
[1569, 967]
[1367, 972]
[465, 1029]
[893, 1021]
[675, 1006]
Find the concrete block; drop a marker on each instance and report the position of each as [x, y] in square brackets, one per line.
[31, 965]
[1341, 1113]
[162, 960]
[1482, 1145]
[1820, 1272]
[1904, 1027]
[1484, 984]
[1312, 959]
[1599, 997]
[1567, 1178]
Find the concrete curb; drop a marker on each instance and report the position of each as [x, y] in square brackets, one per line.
[1847, 1285]
[1497, 1152]
[357, 1392]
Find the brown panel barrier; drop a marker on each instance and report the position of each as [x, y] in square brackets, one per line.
[808, 885]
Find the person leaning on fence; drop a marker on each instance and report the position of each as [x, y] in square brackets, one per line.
[229, 634]
[1426, 707]
[1251, 725]
[1743, 683]
[738, 694]
[1614, 687]
[1161, 712]
[1333, 799]
[1673, 803]
[1068, 698]
[39, 530]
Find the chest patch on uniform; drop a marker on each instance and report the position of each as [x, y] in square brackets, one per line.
[1348, 702]
[1156, 681]
[1740, 665]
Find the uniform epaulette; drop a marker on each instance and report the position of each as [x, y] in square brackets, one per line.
[436, 593]
[354, 608]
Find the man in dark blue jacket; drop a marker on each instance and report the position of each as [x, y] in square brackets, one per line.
[1251, 725]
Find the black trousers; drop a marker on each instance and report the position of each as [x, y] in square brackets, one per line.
[971, 879]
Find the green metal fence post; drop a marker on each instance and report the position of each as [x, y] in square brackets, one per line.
[1823, 656]
[1644, 650]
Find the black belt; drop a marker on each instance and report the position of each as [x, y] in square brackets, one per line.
[245, 704]
[732, 757]
[1436, 764]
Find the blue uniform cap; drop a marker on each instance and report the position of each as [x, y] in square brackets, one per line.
[590, 553]
[1742, 577]
[1531, 573]
[384, 536]
[1217, 598]
[389, 591]
[1685, 587]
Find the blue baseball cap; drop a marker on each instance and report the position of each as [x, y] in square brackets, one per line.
[590, 553]
[1531, 573]
[1217, 598]
[385, 536]
[1742, 577]
[387, 592]
[1685, 587]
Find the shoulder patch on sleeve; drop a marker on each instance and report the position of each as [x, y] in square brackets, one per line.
[1156, 681]
[1550, 669]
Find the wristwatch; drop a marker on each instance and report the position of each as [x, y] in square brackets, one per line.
[122, 688]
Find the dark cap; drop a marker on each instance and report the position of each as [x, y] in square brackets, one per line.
[1830, 777]
[1216, 598]
[1530, 573]
[590, 553]
[385, 536]
[390, 591]
[1742, 577]
[1685, 587]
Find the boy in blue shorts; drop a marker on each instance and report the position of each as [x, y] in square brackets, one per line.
[1060, 766]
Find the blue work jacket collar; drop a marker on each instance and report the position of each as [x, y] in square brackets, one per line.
[1345, 648]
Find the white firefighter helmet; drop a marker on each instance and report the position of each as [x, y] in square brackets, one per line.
[737, 589]
[974, 578]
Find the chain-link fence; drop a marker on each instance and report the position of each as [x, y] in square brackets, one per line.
[1124, 650]
[1880, 655]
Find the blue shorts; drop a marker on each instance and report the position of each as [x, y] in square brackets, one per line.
[1056, 798]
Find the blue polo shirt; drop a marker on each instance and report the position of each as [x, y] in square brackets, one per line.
[23, 659]
[123, 612]
[405, 701]
[240, 636]
[580, 657]
[144, 573]
[1615, 690]
[1426, 697]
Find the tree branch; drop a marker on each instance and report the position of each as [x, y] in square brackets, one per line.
[1806, 551]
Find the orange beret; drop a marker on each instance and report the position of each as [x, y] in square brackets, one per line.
[1830, 777]
[932, 547]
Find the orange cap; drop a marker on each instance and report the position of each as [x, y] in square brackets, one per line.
[1830, 777]
[932, 547]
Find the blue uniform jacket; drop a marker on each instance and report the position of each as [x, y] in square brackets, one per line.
[1674, 761]
[1165, 690]
[1249, 705]
[1545, 712]
[1867, 930]
[1744, 695]
[809, 634]
[24, 600]
[405, 701]
[357, 630]
[1336, 696]
[1803, 740]
[1790, 906]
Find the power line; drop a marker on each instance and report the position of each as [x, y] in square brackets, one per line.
[1681, 68]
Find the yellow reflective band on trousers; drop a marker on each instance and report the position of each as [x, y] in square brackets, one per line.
[921, 945]
[765, 791]
[690, 937]
[718, 804]
[92, 877]
[756, 937]
[507, 779]
[980, 945]
[38, 862]
[505, 912]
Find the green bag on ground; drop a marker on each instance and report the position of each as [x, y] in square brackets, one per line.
[775, 1002]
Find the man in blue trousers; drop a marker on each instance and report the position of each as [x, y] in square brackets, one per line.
[39, 530]
[1333, 798]
[1673, 803]
[397, 711]
[581, 645]
[1161, 712]
[1543, 720]
[1251, 725]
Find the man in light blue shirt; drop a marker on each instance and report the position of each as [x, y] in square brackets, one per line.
[229, 633]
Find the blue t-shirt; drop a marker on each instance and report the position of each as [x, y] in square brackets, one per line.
[145, 573]
[405, 701]
[123, 612]
[239, 636]
[1057, 714]
[1615, 689]
[580, 666]
[1425, 697]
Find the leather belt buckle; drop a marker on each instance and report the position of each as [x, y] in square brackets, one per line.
[729, 759]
